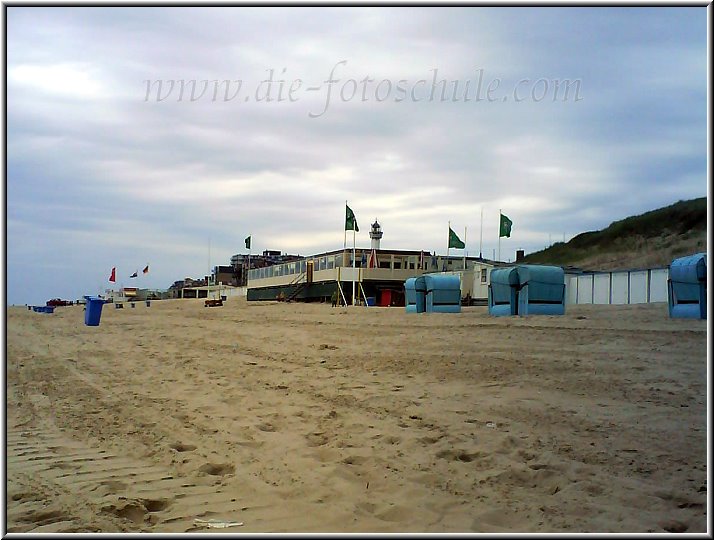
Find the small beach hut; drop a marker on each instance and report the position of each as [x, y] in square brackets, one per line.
[415, 295]
[442, 293]
[503, 292]
[687, 287]
[542, 290]
[527, 289]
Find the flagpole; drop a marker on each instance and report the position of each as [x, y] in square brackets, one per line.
[250, 247]
[464, 247]
[208, 277]
[499, 234]
[448, 243]
[344, 241]
[354, 251]
[480, 246]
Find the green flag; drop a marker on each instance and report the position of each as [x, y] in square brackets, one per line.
[505, 228]
[455, 241]
[247, 243]
[350, 220]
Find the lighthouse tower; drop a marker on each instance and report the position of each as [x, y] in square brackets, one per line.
[375, 234]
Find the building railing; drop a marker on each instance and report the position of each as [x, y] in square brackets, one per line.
[343, 274]
[395, 262]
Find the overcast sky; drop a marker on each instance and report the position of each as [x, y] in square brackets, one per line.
[106, 169]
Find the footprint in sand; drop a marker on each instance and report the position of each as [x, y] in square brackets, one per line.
[136, 510]
[181, 447]
[217, 469]
[459, 455]
[132, 510]
[155, 505]
[355, 460]
[317, 438]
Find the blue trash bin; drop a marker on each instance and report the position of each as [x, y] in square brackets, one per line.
[93, 313]
[371, 300]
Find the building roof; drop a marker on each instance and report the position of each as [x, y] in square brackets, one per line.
[401, 252]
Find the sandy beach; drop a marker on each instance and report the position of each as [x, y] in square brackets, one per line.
[306, 418]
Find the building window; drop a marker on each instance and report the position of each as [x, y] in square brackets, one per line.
[397, 265]
[483, 275]
[384, 264]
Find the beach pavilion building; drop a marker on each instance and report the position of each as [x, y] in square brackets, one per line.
[379, 276]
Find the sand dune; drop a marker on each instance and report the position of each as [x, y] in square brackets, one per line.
[305, 418]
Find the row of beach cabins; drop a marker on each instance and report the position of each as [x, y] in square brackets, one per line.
[543, 290]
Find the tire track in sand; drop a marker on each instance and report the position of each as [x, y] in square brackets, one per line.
[124, 493]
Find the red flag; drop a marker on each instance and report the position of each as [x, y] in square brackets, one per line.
[146, 269]
[113, 277]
